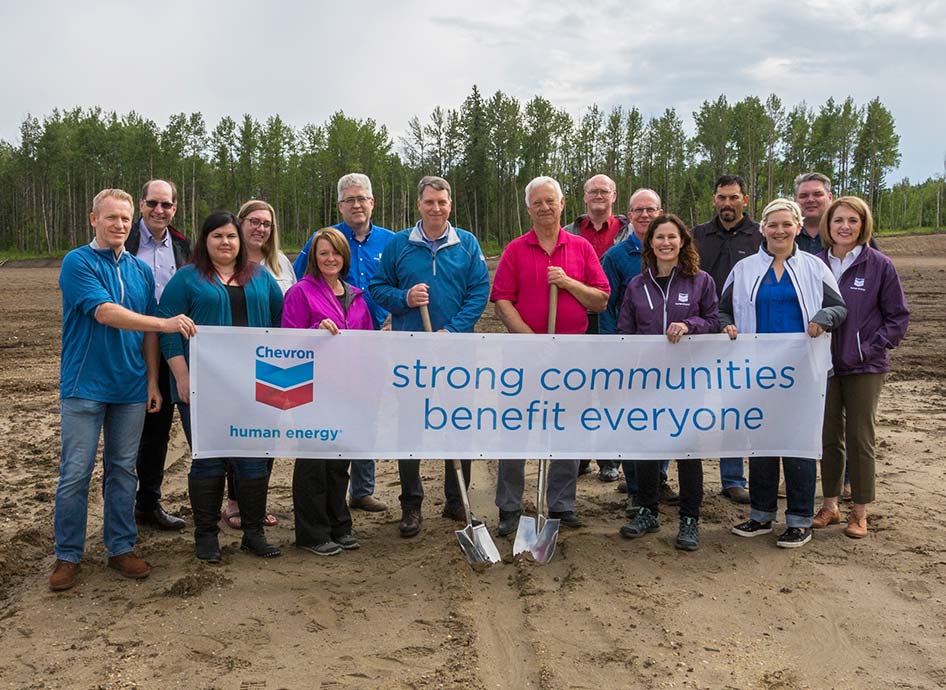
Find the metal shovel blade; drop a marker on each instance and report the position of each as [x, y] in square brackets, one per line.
[539, 543]
[478, 546]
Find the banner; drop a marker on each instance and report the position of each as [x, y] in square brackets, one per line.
[363, 394]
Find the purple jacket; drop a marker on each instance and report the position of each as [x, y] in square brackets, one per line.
[691, 299]
[877, 315]
[311, 299]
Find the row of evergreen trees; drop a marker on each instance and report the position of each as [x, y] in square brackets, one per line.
[488, 148]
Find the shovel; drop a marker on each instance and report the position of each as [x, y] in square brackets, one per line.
[475, 542]
[537, 536]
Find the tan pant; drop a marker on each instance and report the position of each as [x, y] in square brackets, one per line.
[850, 413]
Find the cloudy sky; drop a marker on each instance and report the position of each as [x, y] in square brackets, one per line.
[391, 60]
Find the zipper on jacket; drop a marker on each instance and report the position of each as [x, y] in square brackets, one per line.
[860, 352]
[665, 294]
[121, 283]
[793, 276]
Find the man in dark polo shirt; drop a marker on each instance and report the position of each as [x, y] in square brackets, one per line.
[729, 237]
[603, 229]
[164, 249]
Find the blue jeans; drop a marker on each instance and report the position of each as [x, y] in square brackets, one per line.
[82, 423]
[630, 474]
[800, 477]
[730, 473]
[362, 478]
[205, 468]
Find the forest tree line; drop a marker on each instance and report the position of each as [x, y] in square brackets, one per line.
[488, 148]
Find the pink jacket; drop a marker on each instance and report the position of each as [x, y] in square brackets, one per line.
[311, 300]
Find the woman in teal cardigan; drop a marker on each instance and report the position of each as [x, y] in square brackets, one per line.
[221, 287]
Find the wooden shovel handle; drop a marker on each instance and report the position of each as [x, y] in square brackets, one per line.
[425, 317]
[553, 307]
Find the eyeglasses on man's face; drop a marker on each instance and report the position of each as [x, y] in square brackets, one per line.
[153, 203]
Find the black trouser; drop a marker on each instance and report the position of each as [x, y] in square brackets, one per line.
[412, 490]
[690, 476]
[153, 447]
[319, 488]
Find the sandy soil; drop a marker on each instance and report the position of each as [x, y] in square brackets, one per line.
[606, 613]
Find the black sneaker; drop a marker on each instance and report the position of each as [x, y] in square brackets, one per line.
[794, 537]
[347, 542]
[751, 528]
[567, 518]
[688, 536]
[508, 522]
[645, 521]
[668, 496]
[326, 548]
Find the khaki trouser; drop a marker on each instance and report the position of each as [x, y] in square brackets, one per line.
[850, 413]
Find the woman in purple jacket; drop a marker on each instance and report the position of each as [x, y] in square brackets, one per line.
[860, 351]
[323, 300]
[672, 297]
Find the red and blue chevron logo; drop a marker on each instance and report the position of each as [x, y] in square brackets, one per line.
[284, 388]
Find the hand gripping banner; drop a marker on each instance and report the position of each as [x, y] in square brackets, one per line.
[296, 393]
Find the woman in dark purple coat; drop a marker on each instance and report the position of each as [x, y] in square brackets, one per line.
[860, 352]
[322, 299]
[672, 297]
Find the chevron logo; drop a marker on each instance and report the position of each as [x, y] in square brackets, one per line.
[284, 388]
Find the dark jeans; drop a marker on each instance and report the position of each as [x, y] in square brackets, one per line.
[204, 468]
[630, 473]
[318, 501]
[153, 446]
[412, 489]
[800, 474]
[690, 476]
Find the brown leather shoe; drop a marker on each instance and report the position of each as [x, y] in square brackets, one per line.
[737, 494]
[825, 517]
[130, 565]
[367, 503]
[856, 527]
[64, 575]
[411, 522]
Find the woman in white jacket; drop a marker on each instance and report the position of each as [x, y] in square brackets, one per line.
[781, 290]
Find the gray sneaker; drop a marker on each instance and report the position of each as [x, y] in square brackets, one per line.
[645, 521]
[688, 536]
[326, 548]
[347, 542]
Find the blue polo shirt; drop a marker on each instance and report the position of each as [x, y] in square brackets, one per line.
[99, 362]
[777, 309]
[365, 259]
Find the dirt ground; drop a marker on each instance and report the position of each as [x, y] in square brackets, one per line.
[605, 613]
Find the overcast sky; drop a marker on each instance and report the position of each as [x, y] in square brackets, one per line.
[395, 59]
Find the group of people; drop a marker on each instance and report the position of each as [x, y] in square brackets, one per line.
[134, 296]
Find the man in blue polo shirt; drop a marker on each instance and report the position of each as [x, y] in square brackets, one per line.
[108, 378]
[367, 241]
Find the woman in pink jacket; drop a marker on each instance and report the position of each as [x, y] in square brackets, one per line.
[323, 300]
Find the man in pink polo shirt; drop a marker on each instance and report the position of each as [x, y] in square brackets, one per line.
[546, 255]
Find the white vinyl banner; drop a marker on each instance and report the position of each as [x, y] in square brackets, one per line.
[300, 393]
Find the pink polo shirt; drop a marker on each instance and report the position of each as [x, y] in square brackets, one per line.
[522, 278]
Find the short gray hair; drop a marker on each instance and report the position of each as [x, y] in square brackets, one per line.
[782, 205]
[353, 180]
[643, 190]
[813, 177]
[438, 183]
[541, 180]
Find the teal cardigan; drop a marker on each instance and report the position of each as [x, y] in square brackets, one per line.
[208, 304]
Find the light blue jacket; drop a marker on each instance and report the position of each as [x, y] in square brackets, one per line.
[456, 273]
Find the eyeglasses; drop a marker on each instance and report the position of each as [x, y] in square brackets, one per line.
[599, 192]
[649, 210]
[166, 205]
[256, 222]
[351, 200]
